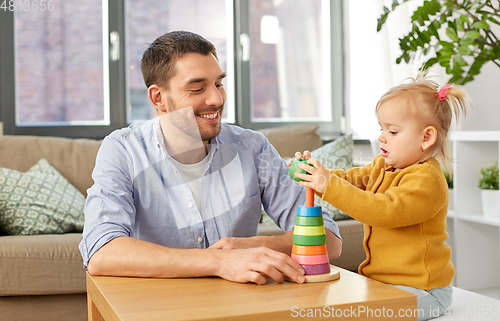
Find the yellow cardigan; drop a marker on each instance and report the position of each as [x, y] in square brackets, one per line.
[404, 216]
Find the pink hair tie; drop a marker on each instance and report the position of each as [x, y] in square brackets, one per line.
[443, 91]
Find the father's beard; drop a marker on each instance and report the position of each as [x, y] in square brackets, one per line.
[191, 125]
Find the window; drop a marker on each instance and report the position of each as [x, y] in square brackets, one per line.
[291, 68]
[58, 67]
[75, 70]
[148, 19]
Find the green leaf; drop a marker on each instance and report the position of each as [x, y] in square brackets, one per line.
[466, 41]
[480, 25]
[429, 63]
[395, 3]
[452, 34]
[449, 4]
[492, 19]
[447, 45]
[464, 18]
[473, 34]
[459, 61]
[460, 25]
[381, 21]
[464, 50]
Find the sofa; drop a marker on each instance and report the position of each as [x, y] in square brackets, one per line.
[42, 276]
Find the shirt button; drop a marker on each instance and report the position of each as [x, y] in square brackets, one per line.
[200, 239]
[190, 205]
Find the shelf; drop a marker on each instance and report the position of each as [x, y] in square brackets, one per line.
[475, 136]
[492, 293]
[478, 219]
[473, 238]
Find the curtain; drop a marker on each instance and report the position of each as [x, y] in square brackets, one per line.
[371, 67]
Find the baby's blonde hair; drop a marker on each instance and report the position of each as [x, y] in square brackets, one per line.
[420, 96]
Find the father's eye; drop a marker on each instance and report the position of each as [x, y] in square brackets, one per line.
[196, 90]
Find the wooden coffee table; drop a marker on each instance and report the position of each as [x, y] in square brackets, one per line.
[211, 298]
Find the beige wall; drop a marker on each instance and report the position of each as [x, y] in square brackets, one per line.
[1, 128]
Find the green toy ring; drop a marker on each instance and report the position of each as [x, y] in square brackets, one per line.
[293, 168]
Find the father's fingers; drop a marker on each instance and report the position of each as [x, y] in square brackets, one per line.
[287, 266]
[256, 277]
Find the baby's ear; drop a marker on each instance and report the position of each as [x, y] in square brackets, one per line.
[430, 137]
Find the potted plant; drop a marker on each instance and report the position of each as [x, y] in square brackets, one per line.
[490, 195]
[449, 180]
[456, 34]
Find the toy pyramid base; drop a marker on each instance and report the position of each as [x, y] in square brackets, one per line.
[333, 275]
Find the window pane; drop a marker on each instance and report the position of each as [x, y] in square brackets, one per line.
[149, 19]
[59, 63]
[290, 60]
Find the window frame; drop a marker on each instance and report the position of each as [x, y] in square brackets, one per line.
[117, 81]
[118, 92]
[328, 129]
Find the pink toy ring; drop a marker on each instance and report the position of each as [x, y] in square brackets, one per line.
[310, 259]
[316, 269]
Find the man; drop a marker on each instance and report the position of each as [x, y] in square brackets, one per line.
[180, 195]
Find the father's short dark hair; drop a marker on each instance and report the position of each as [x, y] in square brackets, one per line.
[158, 60]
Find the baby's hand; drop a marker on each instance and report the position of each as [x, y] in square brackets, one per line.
[307, 155]
[299, 155]
[317, 176]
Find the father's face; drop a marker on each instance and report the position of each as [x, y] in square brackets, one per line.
[197, 83]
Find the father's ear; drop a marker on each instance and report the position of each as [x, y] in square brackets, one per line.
[430, 137]
[157, 98]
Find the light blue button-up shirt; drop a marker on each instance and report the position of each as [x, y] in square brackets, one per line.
[138, 191]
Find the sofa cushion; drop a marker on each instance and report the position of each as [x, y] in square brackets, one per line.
[73, 158]
[289, 139]
[41, 264]
[39, 201]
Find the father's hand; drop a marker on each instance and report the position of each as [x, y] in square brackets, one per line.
[246, 265]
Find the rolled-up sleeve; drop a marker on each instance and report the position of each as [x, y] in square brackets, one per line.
[109, 208]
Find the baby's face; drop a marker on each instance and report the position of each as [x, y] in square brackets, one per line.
[401, 135]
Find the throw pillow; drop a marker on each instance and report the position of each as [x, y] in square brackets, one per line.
[39, 201]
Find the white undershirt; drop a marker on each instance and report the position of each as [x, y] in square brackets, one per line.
[192, 174]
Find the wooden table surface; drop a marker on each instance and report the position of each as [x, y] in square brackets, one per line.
[355, 296]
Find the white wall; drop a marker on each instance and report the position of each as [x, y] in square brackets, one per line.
[485, 95]
[370, 70]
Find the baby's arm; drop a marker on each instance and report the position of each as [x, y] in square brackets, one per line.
[318, 177]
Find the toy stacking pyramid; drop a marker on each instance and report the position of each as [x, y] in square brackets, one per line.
[309, 238]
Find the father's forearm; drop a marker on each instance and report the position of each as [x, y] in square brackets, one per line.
[281, 243]
[333, 245]
[126, 256]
